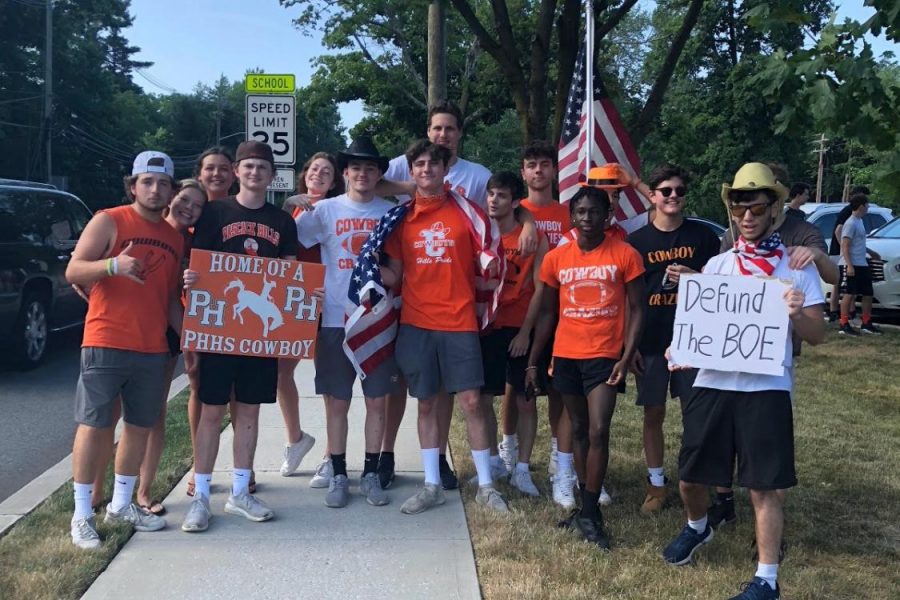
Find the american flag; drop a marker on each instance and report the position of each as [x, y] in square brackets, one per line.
[609, 142]
[371, 327]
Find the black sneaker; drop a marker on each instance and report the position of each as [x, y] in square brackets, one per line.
[847, 330]
[385, 470]
[569, 522]
[681, 550]
[871, 329]
[832, 316]
[448, 477]
[591, 531]
[721, 512]
[757, 589]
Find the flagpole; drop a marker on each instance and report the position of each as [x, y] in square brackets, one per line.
[589, 84]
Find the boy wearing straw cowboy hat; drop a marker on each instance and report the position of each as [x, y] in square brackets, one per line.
[743, 415]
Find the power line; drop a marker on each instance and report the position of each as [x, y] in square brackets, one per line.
[156, 82]
[13, 101]
[20, 125]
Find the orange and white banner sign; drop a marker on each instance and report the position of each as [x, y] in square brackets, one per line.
[252, 306]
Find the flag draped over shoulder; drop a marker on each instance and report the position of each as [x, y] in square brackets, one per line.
[371, 326]
[609, 142]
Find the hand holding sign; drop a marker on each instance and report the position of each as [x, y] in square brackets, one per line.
[733, 323]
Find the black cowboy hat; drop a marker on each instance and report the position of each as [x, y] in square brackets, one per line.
[362, 148]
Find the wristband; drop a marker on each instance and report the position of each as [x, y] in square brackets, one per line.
[115, 265]
[109, 267]
[530, 368]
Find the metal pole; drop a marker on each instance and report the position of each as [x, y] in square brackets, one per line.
[589, 85]
[48, 88]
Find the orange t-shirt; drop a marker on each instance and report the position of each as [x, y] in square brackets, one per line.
[434, 244]
[553, 219]
[127, 315]
[592, 297]
[518, 285]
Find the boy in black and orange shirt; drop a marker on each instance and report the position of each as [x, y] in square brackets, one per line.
[589, 285]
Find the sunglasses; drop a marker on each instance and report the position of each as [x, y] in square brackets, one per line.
[680, 191]
[757, 210]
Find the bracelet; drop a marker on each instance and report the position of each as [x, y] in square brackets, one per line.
[530, 368]
[115, 265]
[109, 271]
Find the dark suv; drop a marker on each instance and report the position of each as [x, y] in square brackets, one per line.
[39, 226]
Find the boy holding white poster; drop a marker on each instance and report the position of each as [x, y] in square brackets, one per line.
[748, 416]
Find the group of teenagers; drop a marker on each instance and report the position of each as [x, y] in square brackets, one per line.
[505, 292]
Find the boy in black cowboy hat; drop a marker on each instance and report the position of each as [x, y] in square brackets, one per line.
[342, 225]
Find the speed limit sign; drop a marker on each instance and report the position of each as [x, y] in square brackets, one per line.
[271, 119]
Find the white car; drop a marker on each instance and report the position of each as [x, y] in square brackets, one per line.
[886, 242]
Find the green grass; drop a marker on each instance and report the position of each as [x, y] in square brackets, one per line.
[37, 558]
[842, 523]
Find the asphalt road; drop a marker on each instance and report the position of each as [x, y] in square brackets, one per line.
[37, 426]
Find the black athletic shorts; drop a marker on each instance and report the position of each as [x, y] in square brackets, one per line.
[860, 284]
[254, 378]
[174, 341]
[756, 428]
[499, 367]
[579, 376]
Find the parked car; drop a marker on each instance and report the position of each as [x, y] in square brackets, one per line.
[824, 216]
[39, 226]
[886, 242]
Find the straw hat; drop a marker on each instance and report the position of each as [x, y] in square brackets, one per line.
[756, 176]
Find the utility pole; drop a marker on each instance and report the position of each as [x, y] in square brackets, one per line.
[437, 52]
[821, 141]
[845, 194]
[48, 89]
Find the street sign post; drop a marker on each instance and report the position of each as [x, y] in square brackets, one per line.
[271, 119]
[283, 182]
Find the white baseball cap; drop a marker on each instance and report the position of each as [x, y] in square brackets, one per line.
[151, 161]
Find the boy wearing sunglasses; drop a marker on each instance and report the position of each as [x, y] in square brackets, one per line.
[731, 414]
[669, 246]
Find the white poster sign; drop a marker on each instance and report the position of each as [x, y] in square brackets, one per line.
[731, 323]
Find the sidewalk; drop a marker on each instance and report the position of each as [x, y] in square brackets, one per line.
[307, 550]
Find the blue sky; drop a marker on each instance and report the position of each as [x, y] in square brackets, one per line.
[196, 41]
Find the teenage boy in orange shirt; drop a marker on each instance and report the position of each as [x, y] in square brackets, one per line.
[589, 285]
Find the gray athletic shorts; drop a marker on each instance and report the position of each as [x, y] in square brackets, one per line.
[106, 372]
[433, 361]
[657, 381]
[335, 374]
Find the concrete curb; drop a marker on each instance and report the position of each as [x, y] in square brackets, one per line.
[32, 495]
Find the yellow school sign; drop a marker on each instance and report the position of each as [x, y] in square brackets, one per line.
[266, 83]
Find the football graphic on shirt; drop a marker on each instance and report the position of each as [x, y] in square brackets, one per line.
[588, 293]
[251, 246]
[353, 243]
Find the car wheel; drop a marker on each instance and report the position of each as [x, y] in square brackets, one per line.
[30, 333]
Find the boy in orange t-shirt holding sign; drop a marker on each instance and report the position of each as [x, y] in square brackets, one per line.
[587, 287]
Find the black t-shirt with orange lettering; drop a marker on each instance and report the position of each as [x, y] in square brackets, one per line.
[691, 245]
[227, 226]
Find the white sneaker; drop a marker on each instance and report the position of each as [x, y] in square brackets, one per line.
[197, 517]
[294, 453]
[521, 480]
[249, 507]
[562, 491]
[605, 499]
[84, 534]
[324, 473]
[490, 498]
[139, 518]
[510, 455]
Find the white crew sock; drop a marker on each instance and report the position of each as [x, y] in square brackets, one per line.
[201, 484]
[522, 467]
[482, 460]
[769, 573]
[83, 509]
[657, 476]
[240, 481]
[511, 441]
[565, 462]
[431, 463]
[700, 525]
[554, 445]
[123, 488]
